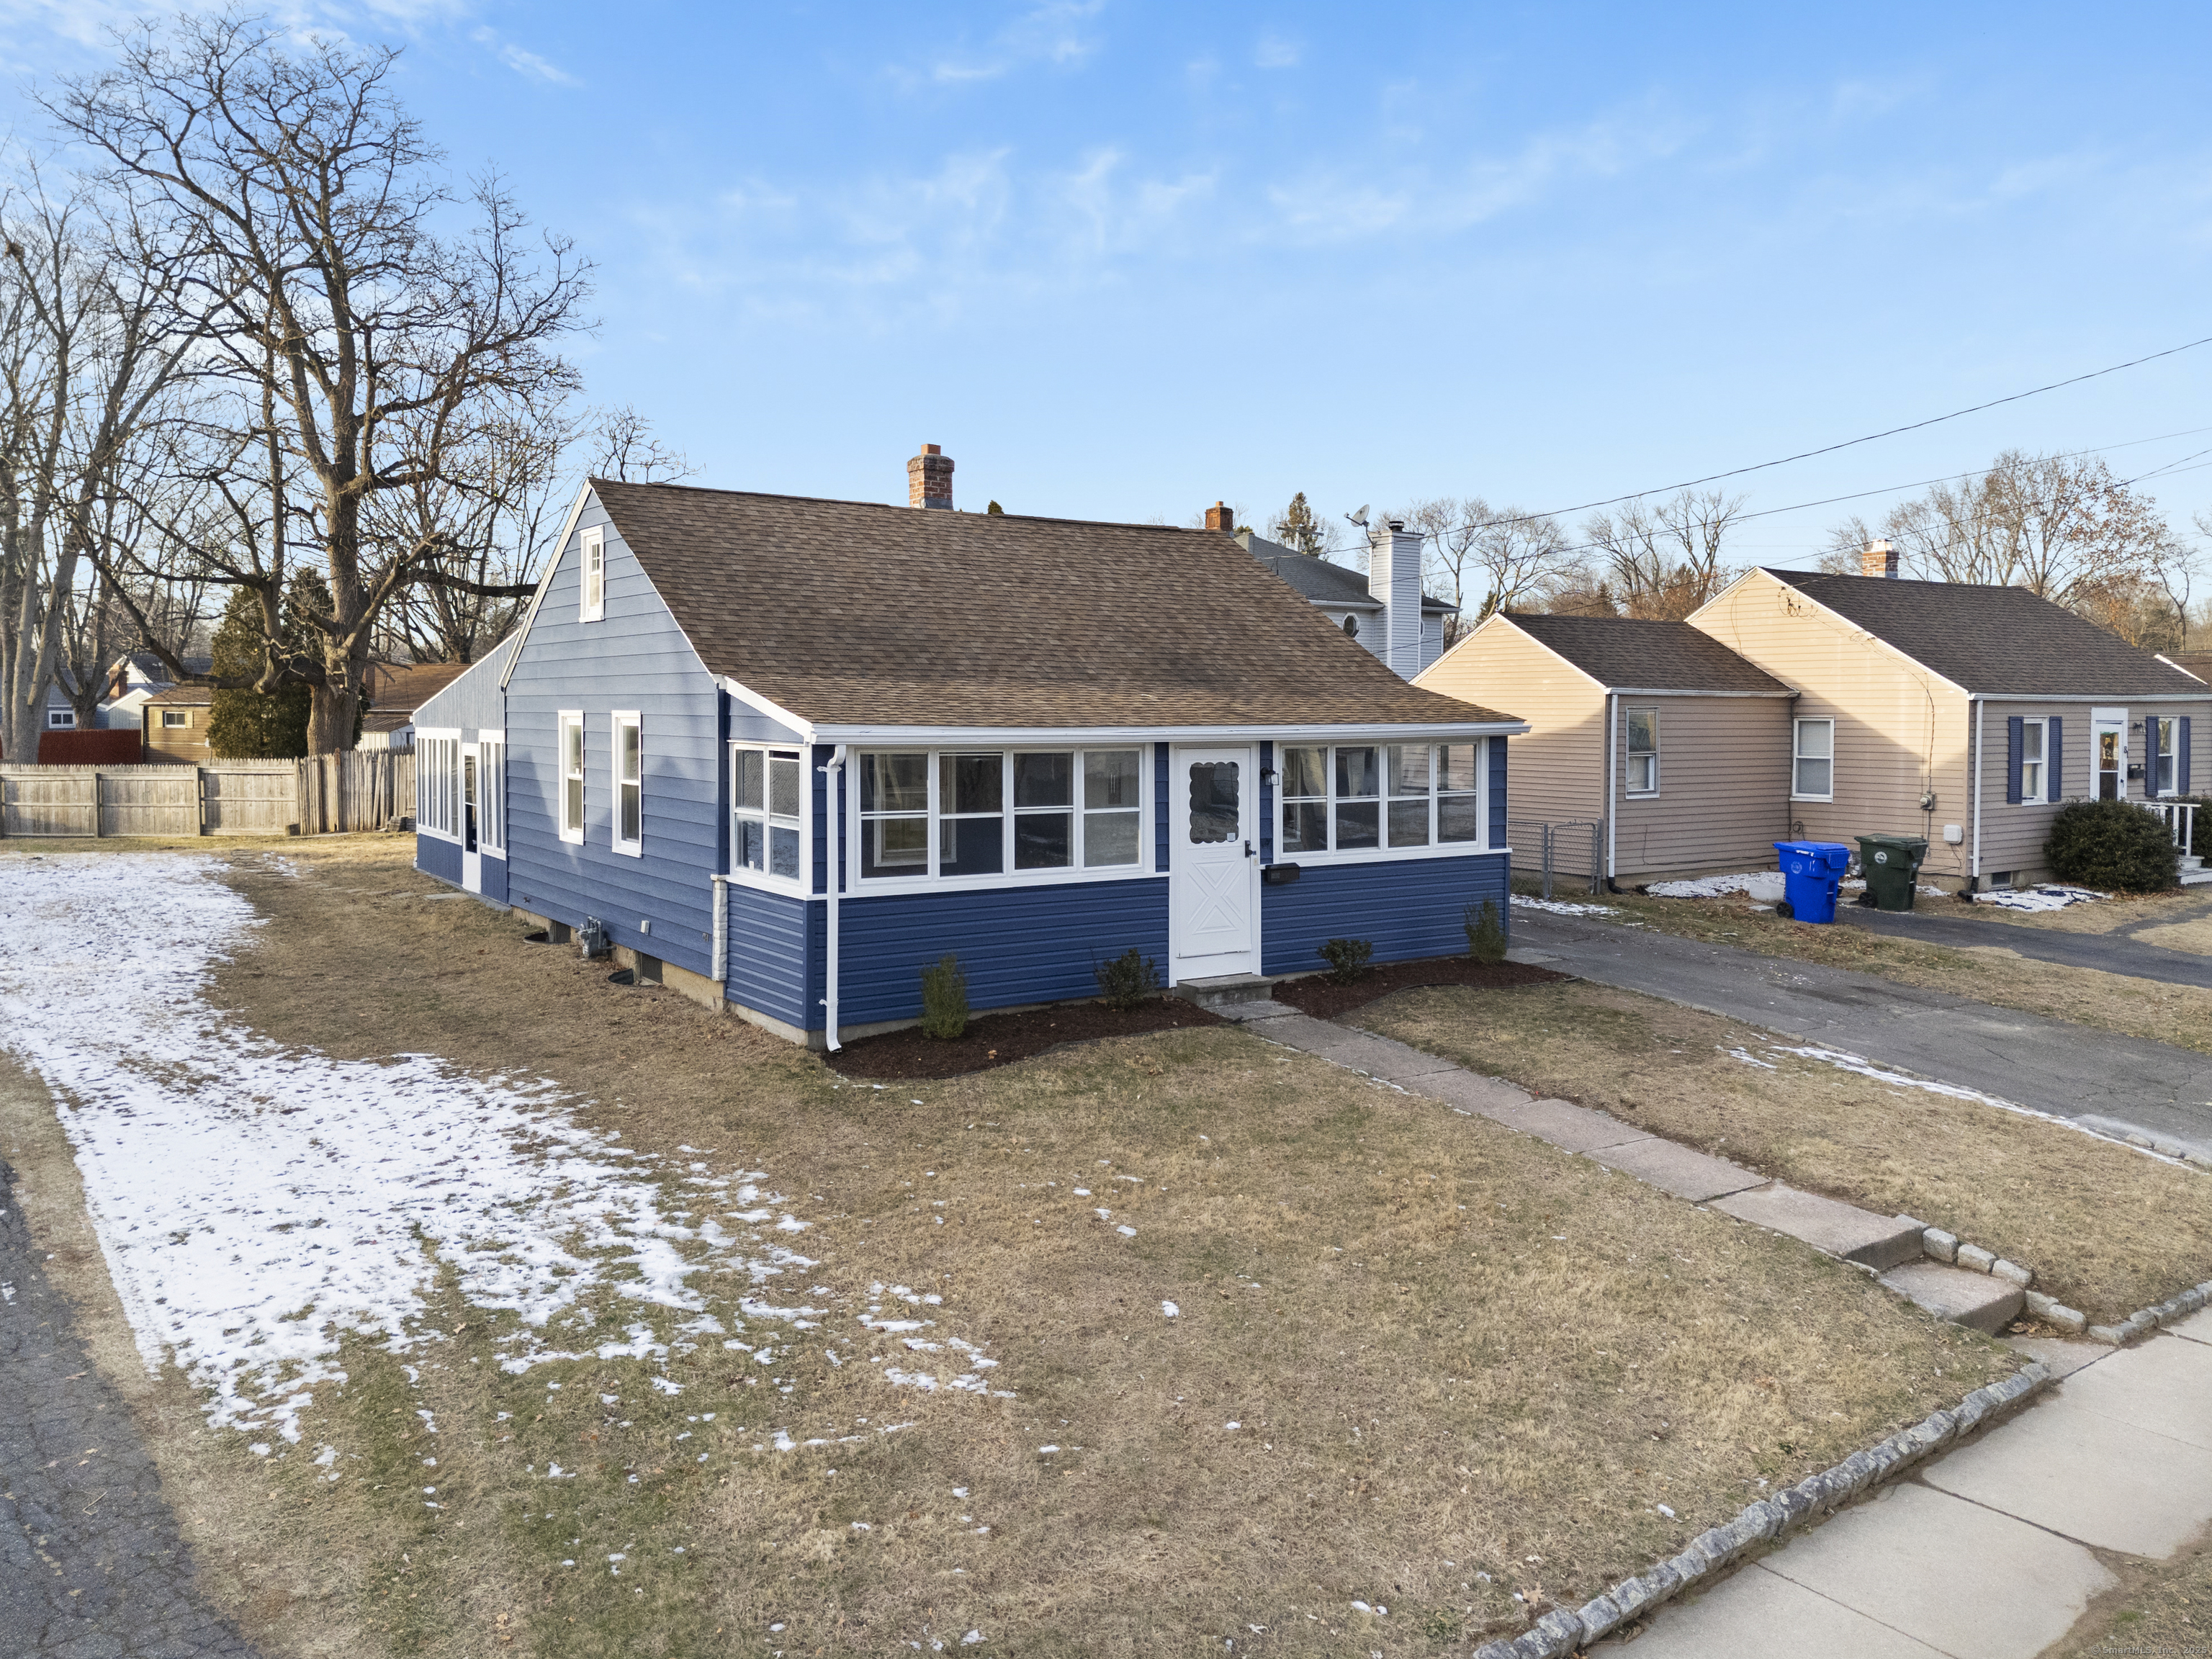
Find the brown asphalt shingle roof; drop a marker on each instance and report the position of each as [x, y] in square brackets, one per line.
[853, 613]
[1624, 654]
[1997, 640]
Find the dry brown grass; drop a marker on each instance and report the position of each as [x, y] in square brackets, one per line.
[2106, 1230]
[2180, 1015]
[1462, 1364]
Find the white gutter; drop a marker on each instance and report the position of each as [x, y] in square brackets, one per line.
[1611, 714]
[835, 797]
[1974, 867]
[1042, 736]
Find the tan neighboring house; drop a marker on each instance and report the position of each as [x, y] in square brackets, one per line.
[173, 727]
[1964, 714]
[1667, 744]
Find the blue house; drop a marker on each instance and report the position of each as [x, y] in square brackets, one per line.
[790, 751]
[460, 780]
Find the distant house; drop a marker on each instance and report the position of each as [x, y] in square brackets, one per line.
[1964, 714]
[1408, 637]
[173, 725]
[790, 751]
[1651, 741]
[396, 691]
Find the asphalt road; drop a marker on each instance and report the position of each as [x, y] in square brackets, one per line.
[91, 1565]
[1945, 921]
[2069, 1070]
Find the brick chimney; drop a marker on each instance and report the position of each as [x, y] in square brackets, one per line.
[1394, 576]
[929, 479]
[1880, 559]
[1221, 518]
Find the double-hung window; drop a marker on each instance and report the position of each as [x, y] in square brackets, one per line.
[1813, 775]
[592, 601]
[764, 795]
[1366, 797]
[2033, 739]
[2162, 758]
[1643, 752]
[996, 812]
[572, 775]
[629, 783]
[61, 720]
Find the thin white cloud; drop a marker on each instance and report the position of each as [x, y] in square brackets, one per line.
[528, 64]
[1274, 51]
[1057, 33]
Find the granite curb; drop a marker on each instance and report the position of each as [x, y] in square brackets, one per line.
[1560, 1632]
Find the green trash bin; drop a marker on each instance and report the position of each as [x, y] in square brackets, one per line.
[1891, 865]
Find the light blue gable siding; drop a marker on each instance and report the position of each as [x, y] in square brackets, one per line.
[635, 658]
[473, 703]
[1410, 908]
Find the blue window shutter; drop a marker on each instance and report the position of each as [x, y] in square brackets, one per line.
[2014, 742]
[2054, 749]
[2181, 760]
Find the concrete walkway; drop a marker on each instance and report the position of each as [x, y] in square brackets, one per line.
[91, 1566]
[1962, 927]
[2055, 1066]
[1997, 1550]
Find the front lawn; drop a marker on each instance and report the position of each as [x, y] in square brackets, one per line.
[1145, 1346]
[2106, 1230]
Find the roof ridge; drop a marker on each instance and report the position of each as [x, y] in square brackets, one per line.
[927, 515]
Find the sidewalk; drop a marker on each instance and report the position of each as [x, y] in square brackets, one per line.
[1995, 1551]
[2070, 1071]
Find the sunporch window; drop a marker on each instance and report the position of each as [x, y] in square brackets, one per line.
[764, 796]
[1360, 797]
[992, 812]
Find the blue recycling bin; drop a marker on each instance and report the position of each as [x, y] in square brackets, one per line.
[1812, 871]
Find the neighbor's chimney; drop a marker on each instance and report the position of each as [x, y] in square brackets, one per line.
[1221, 518]
[1880, 559]
[929, 478]
[1394, 576]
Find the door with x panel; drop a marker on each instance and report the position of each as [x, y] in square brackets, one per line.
[1213, 835]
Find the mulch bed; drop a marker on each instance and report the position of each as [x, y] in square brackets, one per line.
[1324, 1000]
[1001, 1039]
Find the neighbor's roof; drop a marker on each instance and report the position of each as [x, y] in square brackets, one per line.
[399, 689]
[194, 695]
[1323, 581]
[2198, 663]
[1995, 641]
[855, 613]
[1626, 654]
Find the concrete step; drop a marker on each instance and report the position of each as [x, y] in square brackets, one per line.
[1837, 1229]
[1981, 1302]
[1225, 988]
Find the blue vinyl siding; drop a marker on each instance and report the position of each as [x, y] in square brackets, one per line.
[1018, 944]
[635, 658]
[1498, 815]
[495, 879]
[436, 856]
[1410, 908]
[473, 703]
[771, 939]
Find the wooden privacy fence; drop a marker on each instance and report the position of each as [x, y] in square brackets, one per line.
[317, 796]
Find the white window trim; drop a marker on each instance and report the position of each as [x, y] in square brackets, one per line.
[763, 880]
[1628, 756]
[437, 782]
[617, 719]
[491, 790]
[2151, 791]
[61, 720]
[563, 721]
[2042, 795]
[591, 595]
[1435, 848]
[1140, 870]
[1797, 725]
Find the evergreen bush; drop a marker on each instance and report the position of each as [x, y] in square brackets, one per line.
[2111, 844]
[1485, 933]
[1128, 980]
[943, 1000]
[1347, 959]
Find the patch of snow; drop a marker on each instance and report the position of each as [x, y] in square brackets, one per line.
[1562, 907]
[1170, 1309]
[1766, 884]
[1127, 1232]
[2041, 898]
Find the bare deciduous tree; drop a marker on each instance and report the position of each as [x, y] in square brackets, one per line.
[1663, 561]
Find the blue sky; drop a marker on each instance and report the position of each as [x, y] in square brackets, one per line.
[1122, 259]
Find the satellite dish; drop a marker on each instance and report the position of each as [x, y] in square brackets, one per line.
[1360, 517]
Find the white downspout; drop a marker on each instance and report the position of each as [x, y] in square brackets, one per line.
[1611, 714]
[835, 797]
[1974, 868]
[721, 935]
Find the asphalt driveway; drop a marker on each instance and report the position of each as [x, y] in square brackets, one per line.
[1944, 921]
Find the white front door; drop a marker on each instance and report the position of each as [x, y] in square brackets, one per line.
[1214, 862]
[2108, 753]
[472, 853]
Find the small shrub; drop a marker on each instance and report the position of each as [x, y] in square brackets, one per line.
[1347, 959]
[943, 1000]
[1129, 979]
[2111, 844]
[1485, 933]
